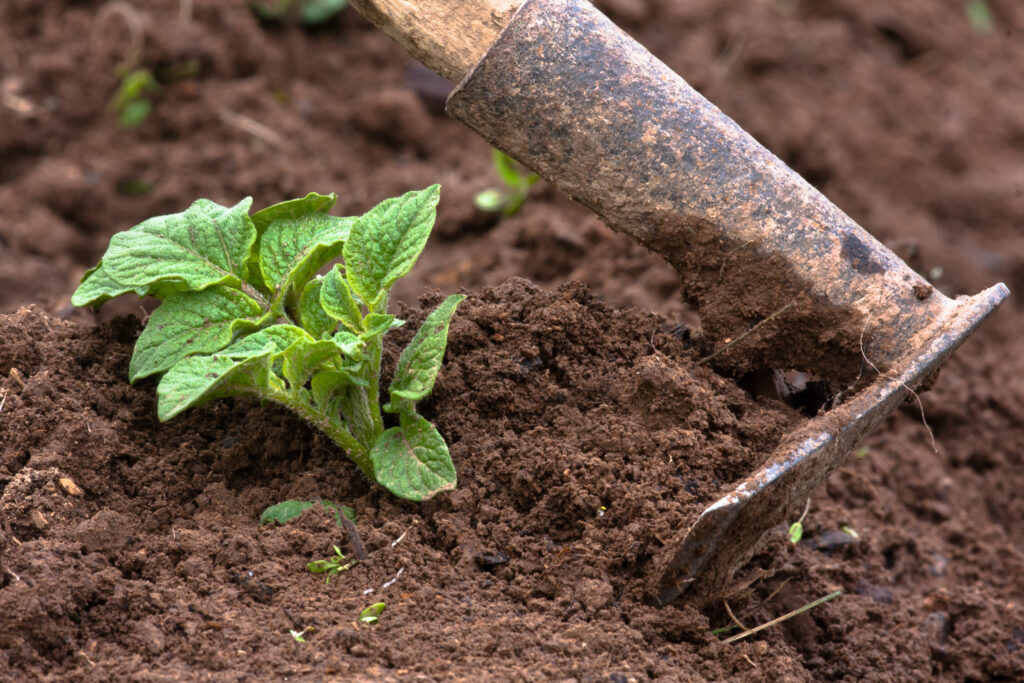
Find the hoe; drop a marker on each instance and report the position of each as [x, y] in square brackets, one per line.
[557, 86]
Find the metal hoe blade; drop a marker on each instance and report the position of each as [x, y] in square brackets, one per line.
[571, 96]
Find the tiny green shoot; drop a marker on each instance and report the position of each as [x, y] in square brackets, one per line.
[796, 529]
[862, 453]
[299, 635]
[332, 565]
[849, 530]
[131, 103]
[517, 183]
[979, 16]
[370, 615]
[244, 312]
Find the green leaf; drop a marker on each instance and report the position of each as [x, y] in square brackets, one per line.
[318, 11]
[491, 199]
[292, 250]
[386, 241]
[330, 387]
[198, 379]
[207, 244]
[133, 113]
[312, 316]
[370, 615]
[377, 324]
[274, 340]
[306, 357]
[97, 286]
[301, 355]
[292, 208]
[420, 361]
[337, 301]
[332, 565]
[412, 460]
[285, 511]
[188, 323]
[796, 532]
[505, 166]
[979, 15]
[339, 510]
[349, 344]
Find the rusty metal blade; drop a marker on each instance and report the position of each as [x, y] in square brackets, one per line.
[729, 531]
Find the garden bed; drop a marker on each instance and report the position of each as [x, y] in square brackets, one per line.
[584, 439]
[583, 433]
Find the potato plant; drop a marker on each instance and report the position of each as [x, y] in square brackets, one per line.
[245, 312]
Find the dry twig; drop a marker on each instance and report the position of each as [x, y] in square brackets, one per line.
[746, 334]
[252, 127]
[784, 617]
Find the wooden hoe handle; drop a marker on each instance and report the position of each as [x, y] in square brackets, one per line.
[448, 36]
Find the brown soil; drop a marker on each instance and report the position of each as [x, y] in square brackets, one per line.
[153, 566]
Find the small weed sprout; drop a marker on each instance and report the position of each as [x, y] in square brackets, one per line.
[131, 103]
[299, 635]
[331, 565]
[796, 529]
[245, 313]
[370, 615]
[509, 199]
[979, 16]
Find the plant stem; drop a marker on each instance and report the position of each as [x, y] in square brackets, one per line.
[375, 349]
[335, 430]
[255, 294]
[360, 415]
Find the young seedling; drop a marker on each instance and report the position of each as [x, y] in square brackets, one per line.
[370, 615]
[332, 565]
[245, 313]
[507, 200]
[796, 529]
[299, 636]
[979, 16]
[131, 103]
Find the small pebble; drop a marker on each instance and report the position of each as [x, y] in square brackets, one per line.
[70, 487]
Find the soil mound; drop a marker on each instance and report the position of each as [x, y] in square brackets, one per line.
[584, 437]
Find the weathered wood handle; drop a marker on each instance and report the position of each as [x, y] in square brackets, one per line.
[448, 36]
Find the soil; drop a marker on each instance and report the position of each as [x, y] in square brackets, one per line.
[132, 549]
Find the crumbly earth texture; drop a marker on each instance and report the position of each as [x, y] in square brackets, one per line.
[584, 438]
[582, 431]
